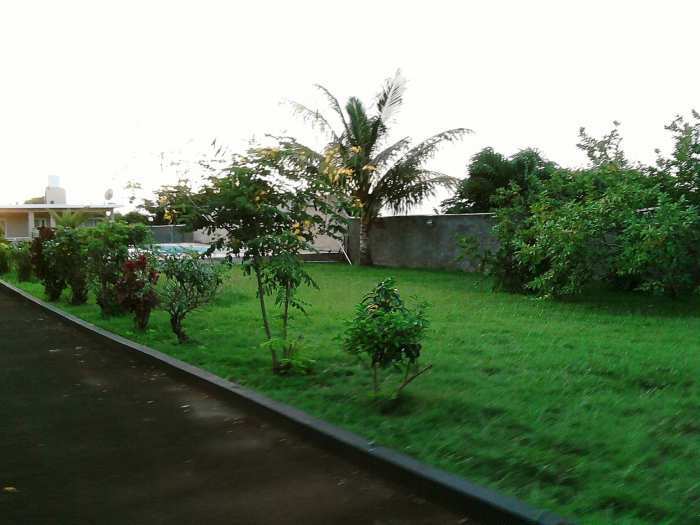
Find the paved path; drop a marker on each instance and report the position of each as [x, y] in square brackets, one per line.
[91, 434]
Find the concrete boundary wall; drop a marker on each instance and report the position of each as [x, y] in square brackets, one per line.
[424, 241]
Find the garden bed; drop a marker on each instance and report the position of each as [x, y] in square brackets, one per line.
[589, 408]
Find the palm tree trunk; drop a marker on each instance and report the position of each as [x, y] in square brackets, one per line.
[365, 254]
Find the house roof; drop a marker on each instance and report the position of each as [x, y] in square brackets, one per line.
[20, 207]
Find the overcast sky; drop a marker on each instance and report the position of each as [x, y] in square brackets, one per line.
[94, 91]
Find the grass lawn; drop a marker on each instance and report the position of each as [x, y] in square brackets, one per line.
[590, 408]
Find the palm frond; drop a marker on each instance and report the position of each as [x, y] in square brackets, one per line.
[335, 105]
[405, 186]
[314, 117]
[390, 98]
[359, 124]
[427, 149]
[69, 219]
[387, 154]
[290, 157]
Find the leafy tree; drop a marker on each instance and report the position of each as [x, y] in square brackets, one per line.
[190, 282]
[386, 334]
[680, 173]
[170, 204]
[364, 166]
[132, 217]
[606, 151]
[268, 219]
[285, 272]
[489, 171]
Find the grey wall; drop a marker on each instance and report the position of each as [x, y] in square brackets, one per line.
[423, 241]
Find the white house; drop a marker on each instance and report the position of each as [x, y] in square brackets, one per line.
[22, 221]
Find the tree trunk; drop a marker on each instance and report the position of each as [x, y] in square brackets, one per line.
[285, 315]
[261, 296]
[365, 255]
[176, 325]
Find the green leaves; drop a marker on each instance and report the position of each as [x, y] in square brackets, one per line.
[608, 225]
[386, 334]
[189, 282]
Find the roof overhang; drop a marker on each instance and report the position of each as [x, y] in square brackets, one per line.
[47, 207]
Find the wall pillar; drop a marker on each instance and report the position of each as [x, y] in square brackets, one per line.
[30, 224]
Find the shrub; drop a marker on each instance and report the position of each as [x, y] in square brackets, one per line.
[189, 283]
[107, 250]
[472, 251]
[5, 258]
[68, 250]
[22, 260]
[387, 335]
[287, 356]
[136, 289]
[606, 225]
[46, 267]
[660, 248]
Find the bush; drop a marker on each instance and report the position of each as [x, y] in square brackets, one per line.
[22, 260]
[190, 283]
[605, 225]
[386, 335]
[68, 250]
[46, 266]
[107, 250]
[136, 289]
[5, 258]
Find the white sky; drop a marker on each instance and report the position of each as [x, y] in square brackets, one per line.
[94, 91]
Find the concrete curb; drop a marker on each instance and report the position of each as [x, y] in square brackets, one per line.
[478, 502]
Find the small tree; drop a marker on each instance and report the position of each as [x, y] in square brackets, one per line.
[136, 289]
[189, 283]
[270, 213]
[386, 334]
[284, 272]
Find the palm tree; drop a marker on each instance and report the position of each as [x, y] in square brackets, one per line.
[69, 219]
[358, 160]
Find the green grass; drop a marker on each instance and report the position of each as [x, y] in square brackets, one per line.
[590, 407]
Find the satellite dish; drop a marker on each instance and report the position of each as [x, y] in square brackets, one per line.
[109, 194]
